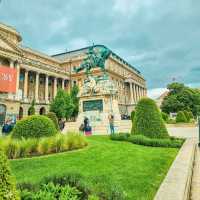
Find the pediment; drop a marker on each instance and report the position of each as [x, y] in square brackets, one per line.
[8, 45]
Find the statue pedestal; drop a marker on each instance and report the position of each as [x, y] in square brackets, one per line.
[97, 109]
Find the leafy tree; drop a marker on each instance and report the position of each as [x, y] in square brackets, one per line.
[31, 110]
[181, 98]
[148, 120]
[58, 105]
[181, 117]
[69, 106]
[7, 183]
[62, 105]
[75, 100]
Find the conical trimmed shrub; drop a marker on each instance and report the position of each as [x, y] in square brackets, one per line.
[148, 120]
[7, 183]
[132, 120]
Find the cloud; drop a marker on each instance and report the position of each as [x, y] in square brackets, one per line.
[156, 36]
[156, 92]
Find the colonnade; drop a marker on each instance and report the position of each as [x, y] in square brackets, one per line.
[25, 87]
[136, 92]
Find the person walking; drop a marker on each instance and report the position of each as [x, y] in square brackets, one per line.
[111, 123]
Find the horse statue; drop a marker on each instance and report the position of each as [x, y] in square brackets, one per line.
[94, 59]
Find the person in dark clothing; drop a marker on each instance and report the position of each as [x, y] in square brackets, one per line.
[7, 127]
[87, 127]
[61, 124]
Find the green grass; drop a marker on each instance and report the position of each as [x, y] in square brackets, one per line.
[138, 169]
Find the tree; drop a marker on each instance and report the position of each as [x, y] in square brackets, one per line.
[148, 120]
[69, 106]
[31, 110]
[62, 105]
[181, 98]
[7, 183]
[75, 100]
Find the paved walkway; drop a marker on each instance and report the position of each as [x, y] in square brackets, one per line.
[185, 132]
[195, 187]
[190, 132]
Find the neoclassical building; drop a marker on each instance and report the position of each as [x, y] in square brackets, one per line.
[27, 75]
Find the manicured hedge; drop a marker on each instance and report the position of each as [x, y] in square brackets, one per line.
[34, 126]
[153, 142]
[7, 183]
[148, 120]
[53, 117]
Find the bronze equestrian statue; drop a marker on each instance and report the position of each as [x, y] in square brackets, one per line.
[94, 59]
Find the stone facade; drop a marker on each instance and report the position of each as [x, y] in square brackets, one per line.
[39, 76]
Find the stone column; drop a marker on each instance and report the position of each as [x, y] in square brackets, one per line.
[11, 64]
[55, 87]
[134, 94]
[37, 87]
[131, 93]
[63, 84]
[47, 89]
[139, 96]
[17, 81]
[26, 85]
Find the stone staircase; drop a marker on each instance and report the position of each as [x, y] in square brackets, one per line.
[100, 128]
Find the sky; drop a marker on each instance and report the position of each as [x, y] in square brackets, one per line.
[158, 37]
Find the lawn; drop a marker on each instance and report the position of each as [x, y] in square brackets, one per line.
[139, 170]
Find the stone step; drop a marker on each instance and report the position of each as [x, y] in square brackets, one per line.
[121, 126]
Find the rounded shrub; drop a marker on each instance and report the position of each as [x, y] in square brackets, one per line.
[53, 117]
[7, 183]
[148, 120]
[181, 117]
[34, 126]
[190, 115]
[186, 113]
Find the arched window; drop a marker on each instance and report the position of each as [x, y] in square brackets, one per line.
[5, 62]
[42, 111]
[21, 111]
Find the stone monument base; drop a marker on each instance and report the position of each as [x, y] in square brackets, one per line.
[97, 109]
